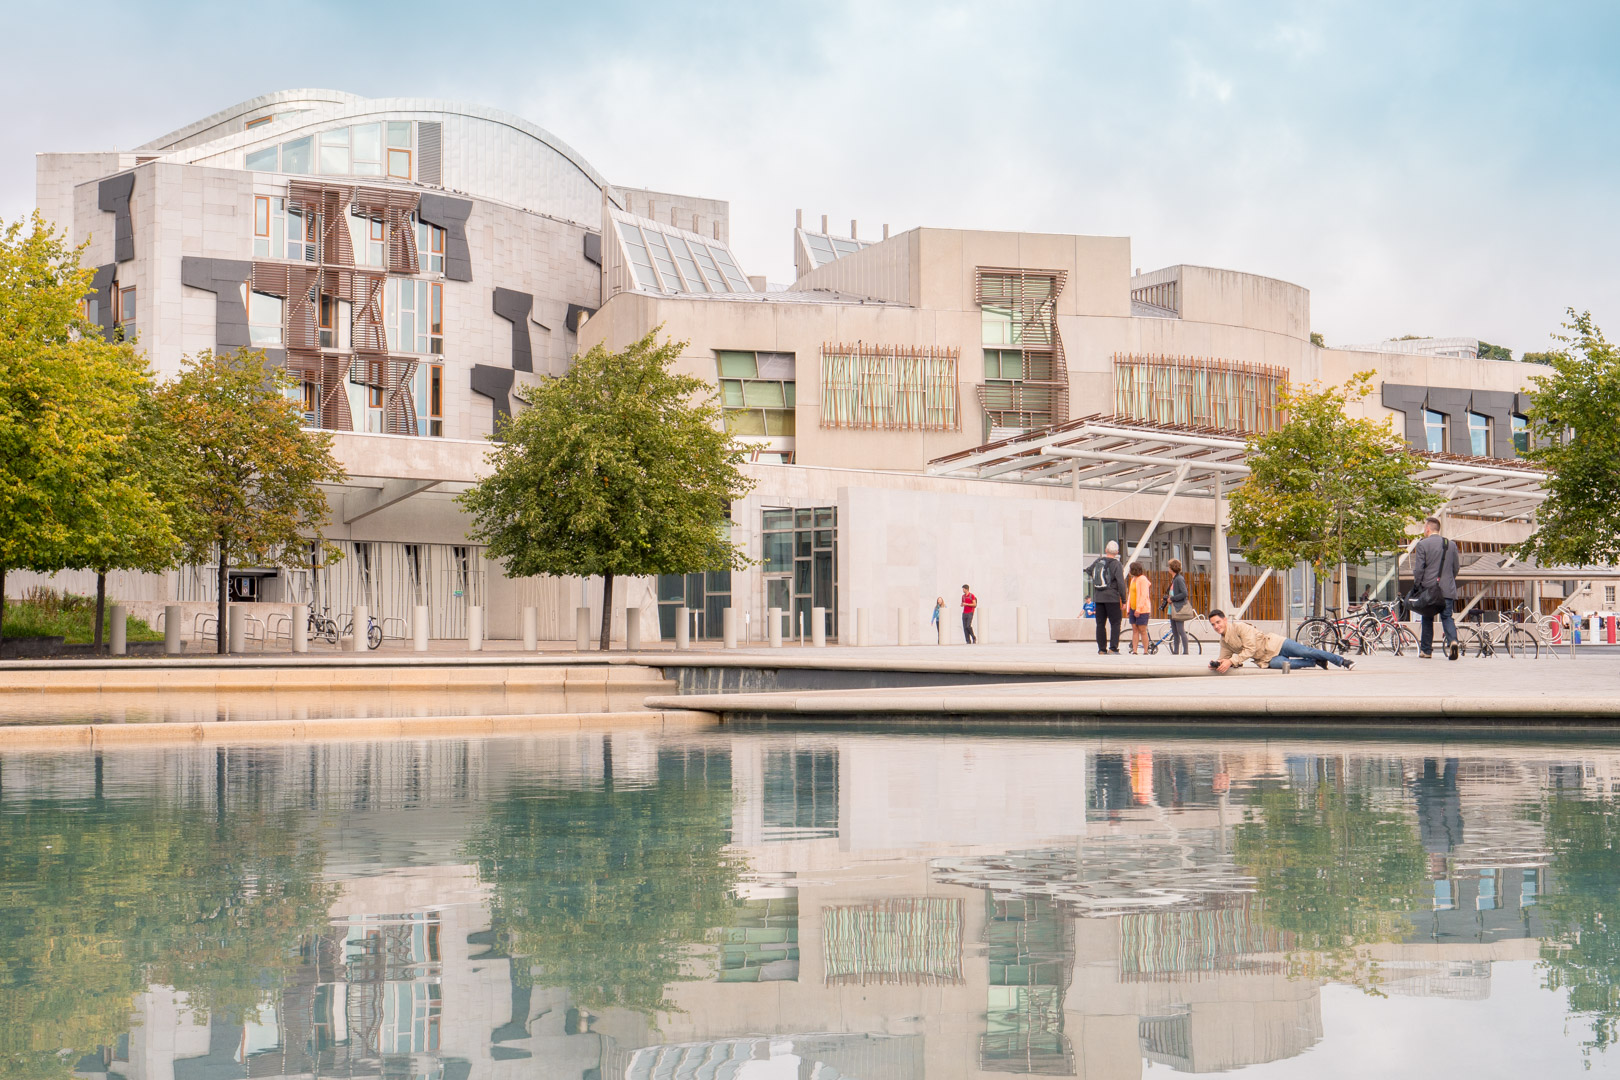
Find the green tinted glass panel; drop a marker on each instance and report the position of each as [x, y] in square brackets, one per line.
[789, 396]
[778, 422]
[764, 394]
[731, 392]
[738, 365]
[745, 422]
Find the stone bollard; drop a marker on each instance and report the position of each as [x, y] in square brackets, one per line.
[773, 626]
[728, 628]
[1023, 626]
[173, 641]
[360, 629]
[818, 627]
[298, 630]
[863, 629]
[475, 628]
[582, 628]
[902, 627]
[235, 628]
[419, 628]
[531, 629]
[683, 627]
[117, 629]
[632, 629]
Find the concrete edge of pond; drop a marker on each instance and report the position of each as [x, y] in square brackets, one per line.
[105, 736]
[507, 677]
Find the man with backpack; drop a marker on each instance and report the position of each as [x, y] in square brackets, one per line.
[1107, 593]
[1434, 588]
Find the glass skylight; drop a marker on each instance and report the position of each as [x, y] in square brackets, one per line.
[824, 249]
[670, 260]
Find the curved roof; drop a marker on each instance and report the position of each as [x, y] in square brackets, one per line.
[323, 106]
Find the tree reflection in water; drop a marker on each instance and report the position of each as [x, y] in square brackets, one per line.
[1581, 952]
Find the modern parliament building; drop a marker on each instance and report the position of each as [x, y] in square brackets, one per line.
[922, 409]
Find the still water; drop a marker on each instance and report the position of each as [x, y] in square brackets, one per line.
[814, 905]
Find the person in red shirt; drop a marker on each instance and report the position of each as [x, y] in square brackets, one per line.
[970, 604]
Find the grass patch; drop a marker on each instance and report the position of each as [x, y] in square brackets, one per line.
[48, 613]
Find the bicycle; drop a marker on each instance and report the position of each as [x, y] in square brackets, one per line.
[1340, 635]
[323, 625]
[374, 634]
[1486, 639]
[1380, 629]
[1193, 645]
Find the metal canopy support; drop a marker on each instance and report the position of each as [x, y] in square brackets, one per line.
[1221, 586]
[1147, 535]
[357, 505]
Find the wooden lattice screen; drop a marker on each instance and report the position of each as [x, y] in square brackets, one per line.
[1231, 395]
[1041, 396]
[894, 387]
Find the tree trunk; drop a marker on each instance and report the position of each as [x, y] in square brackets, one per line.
[101, 608]
[607, 609]
[221, 631]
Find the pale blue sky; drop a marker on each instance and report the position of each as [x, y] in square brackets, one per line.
[1433, 168]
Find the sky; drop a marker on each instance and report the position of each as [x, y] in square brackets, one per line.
[1431, 168]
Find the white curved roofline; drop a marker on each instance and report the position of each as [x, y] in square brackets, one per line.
[349, 105]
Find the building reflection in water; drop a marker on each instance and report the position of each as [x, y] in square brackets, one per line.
[824, 906]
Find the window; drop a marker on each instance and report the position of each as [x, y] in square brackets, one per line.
[800, 548]
[638, 255]
[1003, 364]
[328, 322]
[1434, 430]
[890, 386]
[124, 310]
[264, 318]
[757, 393]
[430, 248]
[1199, 391]
[685, 262]
[1018, 326]
[1521, 435]
[399, 149]
[278, 234]
[435, 399]
[997, 326]
[365, 142]
[334, 151]
[413, 312]
[312, 403]
[1479, 435]
[257, 120]
[262, 160]
[1608, 596]
[295, 156]
[261, 224]
[370, 244]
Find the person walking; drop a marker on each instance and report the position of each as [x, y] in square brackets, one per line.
[939, 615]
[1107, 593]
[1139, 603]
[970, 604]
[1434, 581]
[1241, 641]
[1178, 607]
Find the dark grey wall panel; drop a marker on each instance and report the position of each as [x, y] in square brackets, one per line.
[1409, 401]
[451, 216]
[494, 383]
[593, 248]
[113, 197]
[1499, 405]
[577, 314]
[101, 287]
[514, 307]
[223, 278]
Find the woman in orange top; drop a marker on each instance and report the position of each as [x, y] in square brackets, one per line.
[1139, 606]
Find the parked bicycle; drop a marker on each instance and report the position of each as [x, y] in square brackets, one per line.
[1505, 635]
[1194, 646]
[374, 634]
[323, 625]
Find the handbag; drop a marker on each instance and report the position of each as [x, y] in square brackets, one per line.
[1183, 612]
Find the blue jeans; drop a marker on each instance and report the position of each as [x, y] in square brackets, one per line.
[1447, 624]
[1296, 655]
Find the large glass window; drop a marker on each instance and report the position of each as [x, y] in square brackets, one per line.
[430, 248]
[262, 160]
[413, 312]
[639, 260]
[1479, 435]
[800, 547]
[334, 151]
[399, 149]
[295, 156]
[1521, 434]
[998, 326]
[264, 318]
[366, 149]
[1434, 431]
[124, 311]
[757, 392]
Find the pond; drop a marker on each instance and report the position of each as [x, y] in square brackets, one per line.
[812, 904]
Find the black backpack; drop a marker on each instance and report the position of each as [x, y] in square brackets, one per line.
[1099, 575]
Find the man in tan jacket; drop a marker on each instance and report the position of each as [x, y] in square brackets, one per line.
[1241, 641]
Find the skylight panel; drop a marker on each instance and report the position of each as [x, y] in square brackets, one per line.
[734, 275]
[706, 261]
[688, 267]
[820, 247]
[638, 254]
[660, 254]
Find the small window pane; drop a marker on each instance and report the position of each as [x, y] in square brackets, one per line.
[295, 156]
[745, 422]
[777, 519]
[399, 164]
[1521, 434]
[262, 160]
[788, 394]
[778, 422]
[1434, 429]
[334, 151]
[764, 394]
[399, 133]
[738, 365]
[998, 326]
[731, 392]
[1479, 435]
[775, 365]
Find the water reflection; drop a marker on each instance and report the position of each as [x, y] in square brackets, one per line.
[805, 905]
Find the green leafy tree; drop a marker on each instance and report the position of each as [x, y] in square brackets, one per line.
[1327, 488]
[1318, 340]
[1574, 436]
[619, 467]
[1543, 358]
[605, 891]
[1580, 954]
[67, 402]
[1487, 351]
[255, 495]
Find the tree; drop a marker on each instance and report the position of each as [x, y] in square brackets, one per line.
[256, 496]
[67, 397]
[1580, 952]
[1543, 358]
[1327, 488]
[1318, 340]
[1487, 351]
[1574, 437]
[619, 467]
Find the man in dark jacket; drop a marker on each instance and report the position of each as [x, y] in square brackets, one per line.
[1108, 593]
[1434, 562]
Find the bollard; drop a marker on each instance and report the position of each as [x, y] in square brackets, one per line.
[475, 628]
[683, 627]
[172, 641]
[299, 631]
[531, 629]
[773, 626]
[818, 627]
[117, 626]
[419, 628]
[863, 630]
[359, 628]
[902, 627]
[632, 629]
[582, 628]
[1023, 625]
[728, 627]
[236, 628]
